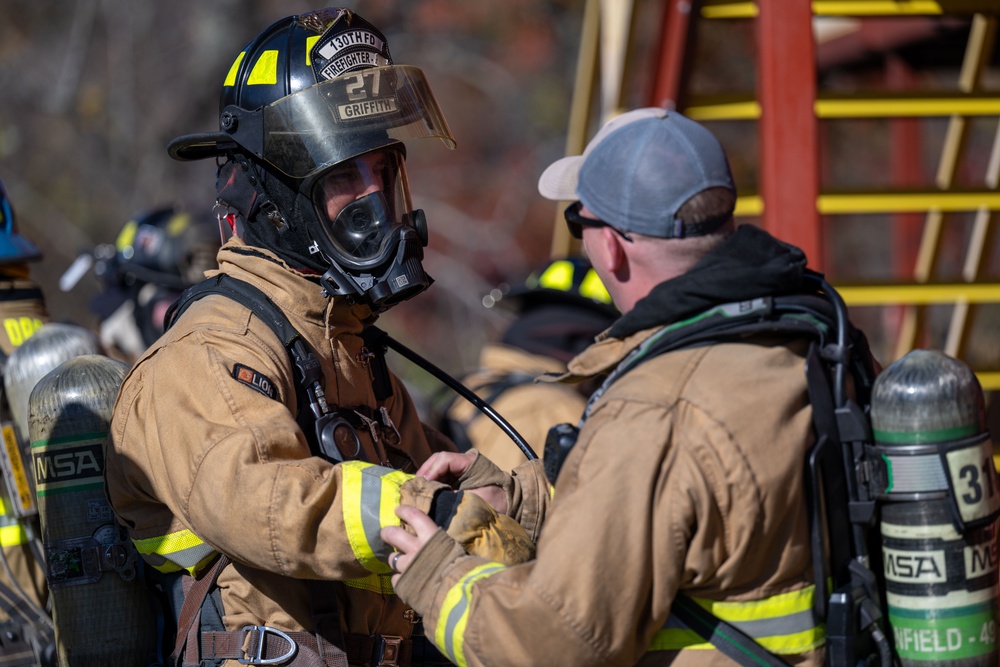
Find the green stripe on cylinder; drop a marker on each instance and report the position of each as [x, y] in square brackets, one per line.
[925, 437]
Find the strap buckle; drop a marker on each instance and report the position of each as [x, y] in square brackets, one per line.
[385, 652]
[255, 654]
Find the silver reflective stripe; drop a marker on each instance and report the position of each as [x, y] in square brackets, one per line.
[448, 635]
[371, 506]
[766, 627]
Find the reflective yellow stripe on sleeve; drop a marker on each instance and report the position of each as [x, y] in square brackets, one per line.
[182, 550]
[371, 495]
[783, 624]
[12, 536]
[12, 531]
[449, 634]
[373, 583]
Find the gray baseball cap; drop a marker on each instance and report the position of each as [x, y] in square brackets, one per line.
[639, 169]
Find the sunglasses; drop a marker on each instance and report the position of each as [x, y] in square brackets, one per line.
[576, 222]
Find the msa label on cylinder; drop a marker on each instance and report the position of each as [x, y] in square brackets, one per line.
[69, 465]
[915, 567]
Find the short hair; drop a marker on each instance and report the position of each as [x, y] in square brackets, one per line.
[713, 205]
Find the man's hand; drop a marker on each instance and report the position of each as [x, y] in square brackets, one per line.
[448, 467]
[403, 542]
[473, 524]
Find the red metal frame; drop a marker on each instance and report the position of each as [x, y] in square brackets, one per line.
[675, 47]
[786, 91]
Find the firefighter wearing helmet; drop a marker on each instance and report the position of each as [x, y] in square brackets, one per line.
[556, 312]
[221, 466]
[156, 255]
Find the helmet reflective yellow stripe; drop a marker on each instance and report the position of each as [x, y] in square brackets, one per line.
[558, 275]
[573, 276]
[783, 624]
[177, 223]
[449, 633]
[231, 76]
[593, 288]
[310, 43]
[126, 237]
[182, 550]
[371, 494]
[265, 70]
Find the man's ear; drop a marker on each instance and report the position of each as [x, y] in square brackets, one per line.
[616, 259]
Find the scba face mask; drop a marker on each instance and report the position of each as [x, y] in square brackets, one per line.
[368, 232]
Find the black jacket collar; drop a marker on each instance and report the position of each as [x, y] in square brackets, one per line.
[749, 264]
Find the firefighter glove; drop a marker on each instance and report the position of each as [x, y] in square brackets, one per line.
[480, 529]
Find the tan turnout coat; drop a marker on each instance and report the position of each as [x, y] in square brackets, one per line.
[687, 476]
[531, 408]
[195, 449]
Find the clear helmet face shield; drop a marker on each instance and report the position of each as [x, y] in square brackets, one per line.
[312, 129]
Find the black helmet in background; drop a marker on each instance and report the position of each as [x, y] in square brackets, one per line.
[314, 106]
[156, 255]
[170, 248]
[560, 308]
[568, 280]
[14, 248]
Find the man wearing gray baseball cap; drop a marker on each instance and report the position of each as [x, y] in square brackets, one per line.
[683, 484]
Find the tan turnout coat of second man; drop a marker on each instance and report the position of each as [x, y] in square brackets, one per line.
[713, 507]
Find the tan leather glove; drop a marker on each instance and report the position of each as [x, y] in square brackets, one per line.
[482, 532]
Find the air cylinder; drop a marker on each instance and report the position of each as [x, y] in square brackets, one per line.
[102, 612]
[938, 511]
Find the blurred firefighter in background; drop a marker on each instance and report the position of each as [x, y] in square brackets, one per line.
[558, 311]
[156, 256]
[23, 591]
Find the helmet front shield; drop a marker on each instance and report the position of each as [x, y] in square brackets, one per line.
[316, 127]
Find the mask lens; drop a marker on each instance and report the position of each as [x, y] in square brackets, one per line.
[362, 227]
[360, 203]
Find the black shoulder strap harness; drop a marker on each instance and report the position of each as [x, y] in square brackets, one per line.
[841, 502]
[197, 620]
[318, 422]
[309, 389]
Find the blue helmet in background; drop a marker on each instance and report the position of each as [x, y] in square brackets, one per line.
[13, 247]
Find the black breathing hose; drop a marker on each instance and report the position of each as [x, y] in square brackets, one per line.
[381, 337]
